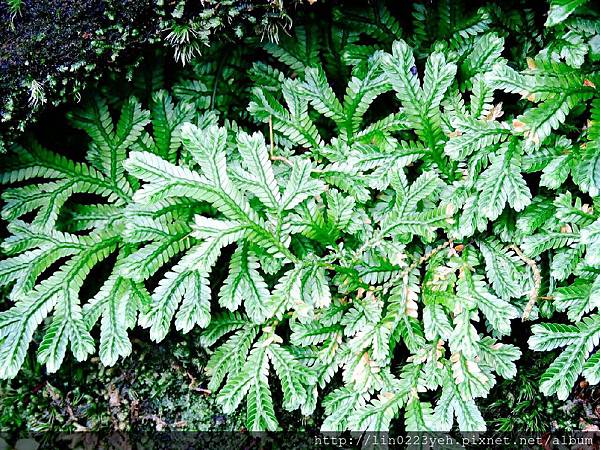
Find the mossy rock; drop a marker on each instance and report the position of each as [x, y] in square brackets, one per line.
[45, 64]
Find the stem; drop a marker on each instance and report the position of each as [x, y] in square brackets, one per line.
[537, 278]
[271, 137]
[218, 72]
[426, 257]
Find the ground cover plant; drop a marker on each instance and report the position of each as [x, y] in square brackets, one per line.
[363, 217]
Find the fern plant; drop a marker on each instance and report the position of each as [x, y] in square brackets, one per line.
[342, 285]
[382, 217]
[558, 225]
[572, 241]
[77, 235]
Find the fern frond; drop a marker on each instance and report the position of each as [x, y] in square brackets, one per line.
[579, 340]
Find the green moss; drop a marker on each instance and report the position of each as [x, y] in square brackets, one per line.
[517, 405]
[159, 388]
[42, 64]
